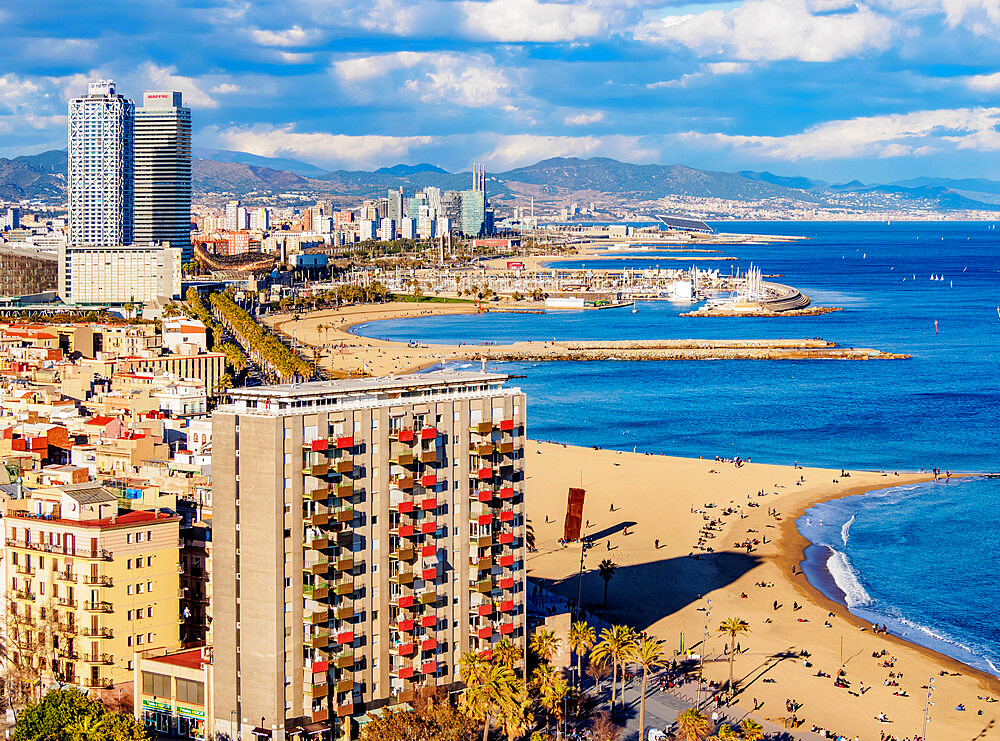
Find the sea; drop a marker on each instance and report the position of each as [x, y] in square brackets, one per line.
[921, 559]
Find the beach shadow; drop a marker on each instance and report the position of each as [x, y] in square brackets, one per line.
[609, 531]
[761, 670]
[643, 594]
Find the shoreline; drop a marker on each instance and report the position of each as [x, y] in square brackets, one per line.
[663, 590]
[802, 544]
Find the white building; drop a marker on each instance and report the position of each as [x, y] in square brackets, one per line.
[106, 274]
[387, 230]
[183, 336]
[100, 173]
[367, 229]
[182, 397]
[232, 216]
[408, 228]
[260, 219]
[163, 171]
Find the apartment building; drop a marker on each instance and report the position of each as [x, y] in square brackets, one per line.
[86, 586]
[375, 528]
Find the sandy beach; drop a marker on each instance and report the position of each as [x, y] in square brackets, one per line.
[665, 590]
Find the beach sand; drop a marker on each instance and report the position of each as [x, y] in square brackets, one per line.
[665, 591]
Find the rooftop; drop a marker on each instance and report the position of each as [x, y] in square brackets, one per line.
[366, 385]
[193, 658]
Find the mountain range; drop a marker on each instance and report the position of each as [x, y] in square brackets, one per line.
[241, 174]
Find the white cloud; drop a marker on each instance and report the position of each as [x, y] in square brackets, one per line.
[290, 57]
[225, 88]
[894, 135]
[774, 29]
[530, 20]
[166, 78]
[294, 36]
[713, 69]
[326, 149]
[522, 149]
[468, 80]
[17, 94]
[584, 119]
[984, 83]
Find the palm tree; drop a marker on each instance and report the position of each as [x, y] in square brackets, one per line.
[726, 733]
[581, 639]
[516, 718]
[616, 645]
[545, 644]
[692, 725]
[607, 569]
[650, 655]
[490, 689]
[733, 627]
[751, 729]
[506, 652]
[84, 728]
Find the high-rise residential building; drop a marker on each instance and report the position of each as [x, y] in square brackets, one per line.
[395, 207]
[233, 216]
[163, 171]
[125, 274]
[373, 533]
[387, 230]
[87, 586]
[100, 169]
[367, 229]
[473, 220]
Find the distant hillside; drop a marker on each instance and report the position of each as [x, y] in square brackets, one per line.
[240, 174]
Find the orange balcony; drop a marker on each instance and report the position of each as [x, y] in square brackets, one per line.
[403, 553]
[317, 518]
[429, 456]
[344, 490]
[483, 428]
[403, 458]
[402, 482]
[344, 612]
[344, 466]
[316, 469]
[344, 710]
[483, 449]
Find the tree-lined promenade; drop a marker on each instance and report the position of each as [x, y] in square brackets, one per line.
[507, 697]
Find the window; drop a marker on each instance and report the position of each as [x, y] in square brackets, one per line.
[189, 690]
[138, 639]
[159, 684]
[149, 612]
[129, 614]
[138, 563]
[149, 586]
[128, 537]
[149, 560]
[128, 563]
[138, 537]
[128, 589]
[129, 641]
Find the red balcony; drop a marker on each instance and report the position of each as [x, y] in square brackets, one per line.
[319, 445]
[506, 605]
[507, 583]
[486, 609]
[485, 519]
[406, 649]
[428, 433]
[405, 507]
[346, 637]
[407, 671]
[429, 503]
[485, 496]
[407, 600]
[405, 436]
[506, 560]
[487, 654]
[428, 528]
[320, 666]
[430, 479]
[429, 667]
[429, 574]
[486, 632]
[428, 551]
[485, 473]
[506, 538]
[429, 621]
[506, 425]
[506, 629]
[345, 442]
[507, 516]
[406, 531]
[429, 645]
[506, 492]
[404, 626]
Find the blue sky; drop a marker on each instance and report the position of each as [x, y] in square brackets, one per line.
[834, 89]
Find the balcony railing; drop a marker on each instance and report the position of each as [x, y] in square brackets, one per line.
[101, 632]
[100, 606]
[98, 682]
[97, 581]
[61, 550]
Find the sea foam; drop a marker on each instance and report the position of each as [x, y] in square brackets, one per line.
[847, 579]
[845, 531]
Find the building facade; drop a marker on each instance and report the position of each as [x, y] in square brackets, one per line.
[123, 274]
[26, 270]
[375, 529]
[163, 171]
[100, 173]
[87, 585]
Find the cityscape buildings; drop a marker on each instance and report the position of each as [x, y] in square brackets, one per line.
[100, 176]
[373, 531]
[118, 274]
[163, 171]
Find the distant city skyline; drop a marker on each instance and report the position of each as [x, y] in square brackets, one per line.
[875, 90]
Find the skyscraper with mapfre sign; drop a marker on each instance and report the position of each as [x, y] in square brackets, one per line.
[163, 171]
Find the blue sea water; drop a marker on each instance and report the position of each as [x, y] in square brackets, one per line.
[925, 559]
